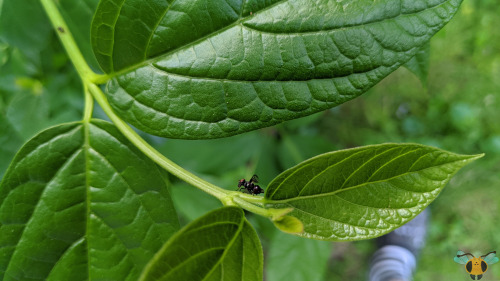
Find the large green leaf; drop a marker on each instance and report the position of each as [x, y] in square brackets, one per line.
[363, 192]
[220, 246]
[79, 202]
[208, 69]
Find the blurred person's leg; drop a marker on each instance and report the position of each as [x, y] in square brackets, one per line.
[396, 258]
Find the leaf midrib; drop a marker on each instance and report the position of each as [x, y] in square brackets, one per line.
[173, 239]
[271, 201]
[360, 150]
[289, 172]
[148, 45]
[238, 22]
[359, 168]
[372, 69]
[229, 246]
[86, 148]
[191, 258]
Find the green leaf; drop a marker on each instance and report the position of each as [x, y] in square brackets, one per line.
[363, 192]
[79, 202]
[294, 149]
[10, 142]
[266, 164]
[24, 24]
[289, 224]
[198, 155]
[307, 259]
[183, 196]
[28, 113]
[419, 64]
[221, 245]
[208, 69]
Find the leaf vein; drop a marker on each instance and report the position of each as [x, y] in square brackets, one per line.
[364, 164]
[391, 161]
[241, 22]
[37, 205]
[354, 187]
[349, 25]
[153, 30]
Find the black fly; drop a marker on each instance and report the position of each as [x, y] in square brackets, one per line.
[250, 186]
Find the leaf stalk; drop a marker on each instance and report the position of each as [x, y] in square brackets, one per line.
[91, 80]
[76, 57]
[89, 105]
[252, 207]
[152, 153]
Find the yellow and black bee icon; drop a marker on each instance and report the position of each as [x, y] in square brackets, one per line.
[476, 266]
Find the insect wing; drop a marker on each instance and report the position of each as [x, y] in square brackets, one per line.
[254, 179]
[490, 258]
[461, 258]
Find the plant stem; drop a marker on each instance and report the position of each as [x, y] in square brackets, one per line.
[90, 81]
[76, 57]
[153, 154]
[251, 207]
[251, 198]
[89, 104]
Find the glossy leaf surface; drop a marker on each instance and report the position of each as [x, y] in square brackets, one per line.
[363, 192]
[220, 246]
[79, 202]
[208, 69]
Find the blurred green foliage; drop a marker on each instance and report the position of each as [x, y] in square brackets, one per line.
[37, 90]
[456, 110]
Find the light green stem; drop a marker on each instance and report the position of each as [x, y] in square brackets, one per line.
[251, 207]
[89, 104]
[69, 44]
[152, 153]
[251, 198]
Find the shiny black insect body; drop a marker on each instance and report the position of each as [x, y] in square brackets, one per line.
[250, 186]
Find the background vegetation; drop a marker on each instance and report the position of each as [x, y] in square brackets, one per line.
[456, 110]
